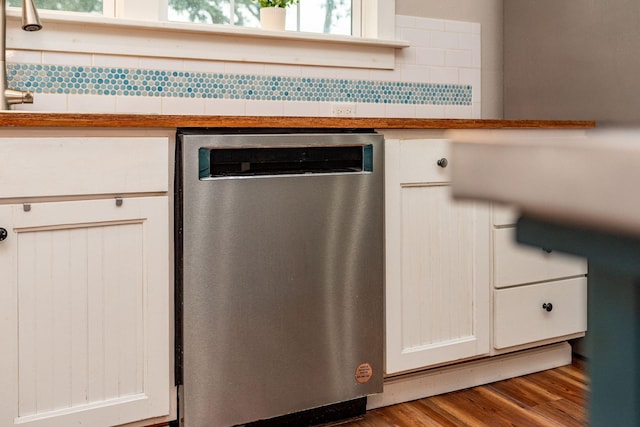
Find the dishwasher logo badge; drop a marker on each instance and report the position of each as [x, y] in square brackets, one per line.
[364, 372]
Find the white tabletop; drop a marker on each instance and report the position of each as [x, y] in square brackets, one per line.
[589, 178]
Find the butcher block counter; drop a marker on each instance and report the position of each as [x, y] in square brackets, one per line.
[93, 195]
[81, 120]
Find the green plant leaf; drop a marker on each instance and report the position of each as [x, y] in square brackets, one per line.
[277, 3]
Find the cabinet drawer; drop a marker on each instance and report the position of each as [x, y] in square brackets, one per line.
[518, 264]
[419, 160]
[519, 316]
[40, 167]
[503, 215]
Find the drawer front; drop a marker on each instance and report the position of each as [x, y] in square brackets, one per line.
[503, 215]
[516, 264]
[519, 316]
[419, 160]
[41, 167]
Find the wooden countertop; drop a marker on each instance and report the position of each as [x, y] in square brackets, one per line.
[79, 120]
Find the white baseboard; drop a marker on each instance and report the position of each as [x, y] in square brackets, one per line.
[470, 374]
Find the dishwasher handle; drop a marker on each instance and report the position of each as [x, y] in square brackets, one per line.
[275, 161]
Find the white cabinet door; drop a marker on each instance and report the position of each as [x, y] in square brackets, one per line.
[437, 262]
[84, 313]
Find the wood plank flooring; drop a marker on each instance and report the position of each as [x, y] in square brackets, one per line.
[553, 398]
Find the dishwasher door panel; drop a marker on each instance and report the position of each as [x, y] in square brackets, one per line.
[282, 290]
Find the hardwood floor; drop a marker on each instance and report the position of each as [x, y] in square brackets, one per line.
[557, 397]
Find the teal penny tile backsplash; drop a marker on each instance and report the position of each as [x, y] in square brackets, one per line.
[85, 80]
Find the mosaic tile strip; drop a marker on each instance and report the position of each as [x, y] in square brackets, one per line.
[184, 84]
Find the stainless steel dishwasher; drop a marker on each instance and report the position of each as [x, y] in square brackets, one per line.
[279, 275]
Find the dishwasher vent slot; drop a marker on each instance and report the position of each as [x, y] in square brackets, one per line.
[261, 161]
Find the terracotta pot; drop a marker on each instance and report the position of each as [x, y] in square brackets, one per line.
[273, 18]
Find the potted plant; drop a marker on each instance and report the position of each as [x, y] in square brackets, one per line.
[273, 13]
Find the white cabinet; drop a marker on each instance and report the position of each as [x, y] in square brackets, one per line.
[85, 298]
[539, 296]
[526, 314]
[437, 261]
[516, 264]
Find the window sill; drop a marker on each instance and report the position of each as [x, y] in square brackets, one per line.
[96, 34]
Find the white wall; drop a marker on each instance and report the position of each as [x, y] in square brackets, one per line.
[490, 16]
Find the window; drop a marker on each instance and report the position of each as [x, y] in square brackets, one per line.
[316, 16]
[86, 6]
[361, 33]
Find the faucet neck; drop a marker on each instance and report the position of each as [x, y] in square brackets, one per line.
[4, 105]
[9, 96]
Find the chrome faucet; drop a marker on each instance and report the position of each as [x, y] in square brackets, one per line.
[30, 22]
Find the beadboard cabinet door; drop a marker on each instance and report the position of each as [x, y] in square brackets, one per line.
[84, 312]
[437, 261]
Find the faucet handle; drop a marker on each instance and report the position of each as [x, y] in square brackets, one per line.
[18, 97]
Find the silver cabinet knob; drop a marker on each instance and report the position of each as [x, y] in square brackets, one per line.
[443, 162]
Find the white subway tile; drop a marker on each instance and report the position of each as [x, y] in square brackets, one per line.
[370, 109]
[353, 73]
[470, 76]
[428, 111]
[444, 40]
[459, 111]
[476, 93]
[444, 75]
[325, 109]
[224, 107]
[91, 103]
[166, 64]
[326, 72]
[244, 68]
[264, 108]
[458, 26]
[416, 74]
[203, 66]
[405, 56]
[65, 58]
[100, 60]
[49, 102]
[24, 56]
[417, 37]
[405, 21]
[430, 24]
[282, 70]
[477, 110]
[430, 56]
[301, 108]
[400, 110]
[139, 104]
[465, 41]
[387, 75]
[477, 51]
[458, 58]
[172, 105]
